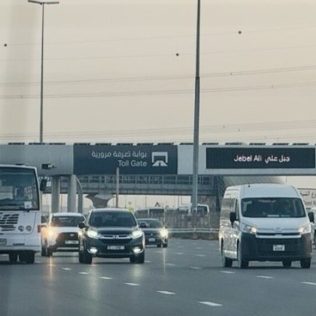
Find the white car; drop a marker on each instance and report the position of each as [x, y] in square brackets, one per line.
[61, 233]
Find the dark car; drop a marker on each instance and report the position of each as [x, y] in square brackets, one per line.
[111, 233]
[155, 232]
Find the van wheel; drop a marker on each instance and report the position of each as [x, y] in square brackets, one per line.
[306, 263]
[287, 263]
[241, 262]
[226, 262]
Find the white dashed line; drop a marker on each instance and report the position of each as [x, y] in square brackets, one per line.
[200, 255]
[166, 292]
[309, 283]
[147, 261]
[227, 272]
[264, 277]
[132, 284]
[212, 304]
[83, 273]
[66, 269]
[105, 278]
[196, 268]
[179, 253]
[170, 264]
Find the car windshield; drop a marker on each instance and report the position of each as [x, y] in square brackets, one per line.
[150, 223]
[67, 221]
[272, 207]
[112, 219]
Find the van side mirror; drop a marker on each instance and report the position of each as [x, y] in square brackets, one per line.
[81, 225]
[43, 185]
[311, 217]
[232, 217]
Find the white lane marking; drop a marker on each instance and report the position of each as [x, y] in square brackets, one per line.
[83, 273]
[309, 283]
[132, 284]
[200, 255]
[66, 269]
[196, 268]
[147, 261]
[170, 264]
[265, 277]
[212, 304]
[105, 278]
[166, 292]
[179, 253]
[227, 272]
[199, 248]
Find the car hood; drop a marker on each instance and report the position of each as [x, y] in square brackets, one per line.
[64, 229]
[110, 230]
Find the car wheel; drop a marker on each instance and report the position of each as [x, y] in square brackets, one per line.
[226, 262]
[85, 257]
[13, 257]
[287, 263]
[306, 263]
[132, 259]
[140, 258]
[49, 252]
[241, 262]
[158, 245]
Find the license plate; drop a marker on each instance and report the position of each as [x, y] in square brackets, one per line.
[151, 239]
[278, 247]
[116, 247]
[71, 242]
[3, 242]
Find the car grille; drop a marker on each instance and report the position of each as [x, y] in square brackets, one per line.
[67, 236]
[8, 221]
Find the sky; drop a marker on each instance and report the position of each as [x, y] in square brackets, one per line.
[123, 71]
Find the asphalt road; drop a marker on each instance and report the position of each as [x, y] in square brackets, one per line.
[184, 279]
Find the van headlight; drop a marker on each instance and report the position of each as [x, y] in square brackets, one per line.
[52, 234]
[164, 233]
[136, 234]
[92, 234]
[249, 229]
[305, 229]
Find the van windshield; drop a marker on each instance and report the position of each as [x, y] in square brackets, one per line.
[272, 207]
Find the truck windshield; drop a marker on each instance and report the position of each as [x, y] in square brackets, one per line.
[272, 207]
[18, 189]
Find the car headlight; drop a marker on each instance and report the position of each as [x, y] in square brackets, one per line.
[51, 234]
[92, 233]
[249, 229]
[164, 233]
[137, 234]
[305, 229]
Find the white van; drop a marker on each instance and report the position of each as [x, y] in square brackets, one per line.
[264, 222]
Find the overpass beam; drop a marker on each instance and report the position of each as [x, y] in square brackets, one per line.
[72, 194]
[55, 194]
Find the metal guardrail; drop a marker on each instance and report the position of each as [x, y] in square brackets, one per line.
[193, 230]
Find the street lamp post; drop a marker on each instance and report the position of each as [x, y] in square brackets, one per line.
[194, 198]
[42, 3]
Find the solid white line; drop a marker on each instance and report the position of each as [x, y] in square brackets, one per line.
[227, 272]
[166, 292]
[212, 304]
[132, 284]
[66, 269]
[83, 273]
[309, 283]
[265, 277]
[105, 278]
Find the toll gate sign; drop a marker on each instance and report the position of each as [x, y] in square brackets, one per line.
[260, 158]
[130, 159]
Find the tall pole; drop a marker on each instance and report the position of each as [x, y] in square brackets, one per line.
[194, 197]
[42, 3]
[42, 76]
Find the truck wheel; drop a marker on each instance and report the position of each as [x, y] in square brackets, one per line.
[306, 263]
[287, 263]
[13, 257]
